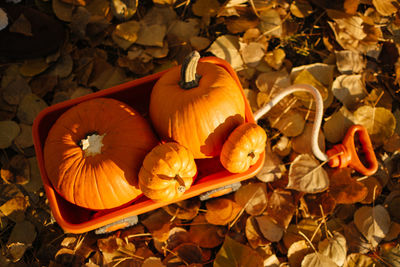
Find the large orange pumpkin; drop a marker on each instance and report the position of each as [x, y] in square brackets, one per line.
[197, 105]
[94, 151]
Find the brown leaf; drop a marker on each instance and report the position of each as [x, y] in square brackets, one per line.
[356, 242]
[245, 21]
[252, 197]
[16, 171]
[345, 189]
[185, 210]
[16, 90]
[281, 207]
[15, 208]
[204, 234]
[302, 143]
[315, 202]
[21, 238]
[308, 227]
[297, 251]
[33, 67]
[374, 189]
[158, 223]
[9, 130]
[21, 25]
[269, 228]
[253, 234]
[221, 211]
[29, 108]
[187, 253]
[177, 236]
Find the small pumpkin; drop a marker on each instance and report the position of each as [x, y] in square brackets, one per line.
[243, 147]
[197, 105]
[94, 151]
[167, 172]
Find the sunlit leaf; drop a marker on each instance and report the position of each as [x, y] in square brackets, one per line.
[233, 251]
[334, 247]
[252, 197]
[221, 211]
[227, 47]
[308, 227]
[281, 207]
[349, 89]
[297, 251]
[307, 175]
[269, 228]
[359, 260]
[318, 260]
[345, 189]
[385, 7]
[253, 234]
[205, 234]
[336, 126]
[302, 143]
[185, 210]
[205, 8]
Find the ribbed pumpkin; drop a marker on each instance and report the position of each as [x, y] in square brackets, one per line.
[167, 172]
[197, 105]
[243, 147]
[94, 151]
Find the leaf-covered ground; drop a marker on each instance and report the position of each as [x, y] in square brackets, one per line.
[296, 211]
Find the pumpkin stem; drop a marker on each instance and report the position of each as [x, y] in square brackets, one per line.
[252, 155]
[181, 187]
[92, 144]
[189, 78]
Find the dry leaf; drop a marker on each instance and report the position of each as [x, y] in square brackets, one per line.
[301, 9]
[204, 234]
[385, 7]
[188, 253]
[271, 23]
[281, 207]
[227, 47]
[21, 25]
[373, 223]
[307, 175]
[297, 251]
[374, 189]
[379, 122]
[9, 130]
[323, 73]
[16, 171]
[252, 197]
[394, 232]
[16, 90]
[269, 228]
[15, 208]
[124, 9]
[316, 202]
[302, 143]
[185, 210]
[275, 58]
[336, 126]
[349, 62]
[43, 84]
[307, 226]
[290, 123]
[233, 251]
[242, 20]
[152, 35]
[334, 247]
[349, 89]
[221, 211]
[318, 260]
[21, 238]
[273, 168]
[359, 260]
[184, 30]
[252, 53]
[176, 237]
[81, 91]
[35, 182]
[62, 10]
[158, 223]
[199, 43]
[205, 8]
[125, 34]
[32, 67]
[253, 234]
[283, 147]
[356, 242]
[29, 108]
[63, 67]
[3, 19]
[345, 189]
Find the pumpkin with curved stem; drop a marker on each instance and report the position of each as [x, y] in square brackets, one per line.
[167, 172]
[197, 105]
[243, 147]
[94, 151]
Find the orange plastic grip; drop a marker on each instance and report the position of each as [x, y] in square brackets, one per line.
[345, 154]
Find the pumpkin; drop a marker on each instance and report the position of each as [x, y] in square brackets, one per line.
[243, 147]
[197, 105]
[93, 153]
[167, 172]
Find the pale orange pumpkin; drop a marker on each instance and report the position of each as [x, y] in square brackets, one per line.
[167, 172]
[197, 105]
[94, 151]
[243, 147]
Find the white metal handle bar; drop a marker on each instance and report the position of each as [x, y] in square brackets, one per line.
[319, 110]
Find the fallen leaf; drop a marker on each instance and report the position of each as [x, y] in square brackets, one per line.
[15, 208]
[271, 23]
[233, 251]
[221, 211]
[16, 90]
[322, 72]
[290, 123]
[385, 7]
[283, 147]
[390, 257]
[316, 202]
[43, 84]
[177, 236]
[308, 227]
[62, 10]
[336, 126]
[199, 43]
[392, 202]
[345, 189]
[318, 260]
[334, 248]
[307, 175]
[252, 53]
[374, 189]
[301, 9]
[356, 242]
[124, 9]
[281, 207]
[158, 223]
[227, 48]
[273, 168]
[379, 122]
[22, 26]
[205, 8]
[275, 58]
[252, 197]
[100, 8]
[187, 253]
[35, 182]
[16, 171]
[297, 251]
[204, 234]
[21, 238]
[302, 143]
[185, 210]
[394, 232]
[9, 130]
[125, 34]
[81, 91]
[269, 228]
[152, 262]
[241, 20]
[184, 30]
[152, 35]
[32, 67]
[349, 89]
[359, 260]
[29, 108]
[373, 223]
[349, 62]
[253, 234]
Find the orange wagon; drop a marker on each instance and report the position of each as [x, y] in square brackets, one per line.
[211, 175]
